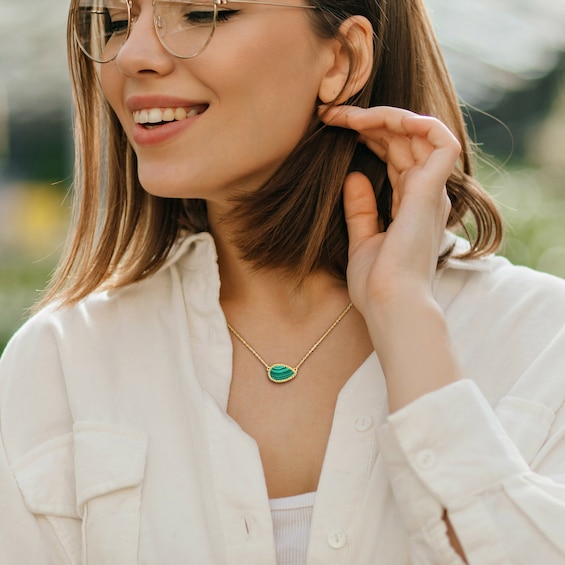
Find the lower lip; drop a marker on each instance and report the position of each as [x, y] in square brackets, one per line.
[160, 134]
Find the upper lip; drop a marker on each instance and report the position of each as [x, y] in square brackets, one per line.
[137, 102]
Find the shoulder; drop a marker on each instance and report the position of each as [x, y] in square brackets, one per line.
[63, 352]
[508, 325]
[493, 283]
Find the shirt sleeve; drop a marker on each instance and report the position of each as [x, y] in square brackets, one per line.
[449, 451]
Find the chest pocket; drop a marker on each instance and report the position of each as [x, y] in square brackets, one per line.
[109, 470]
[98, 520]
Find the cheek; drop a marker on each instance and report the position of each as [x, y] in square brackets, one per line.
[273, 89]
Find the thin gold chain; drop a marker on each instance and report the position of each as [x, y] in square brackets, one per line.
[310, 351]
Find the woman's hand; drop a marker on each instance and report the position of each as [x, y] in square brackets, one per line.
[390, 273]
[420, 153]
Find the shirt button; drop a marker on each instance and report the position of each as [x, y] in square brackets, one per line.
[337, 539]
[426, 459]
[363, 423]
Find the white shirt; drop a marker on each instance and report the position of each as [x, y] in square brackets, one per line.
[117, 448]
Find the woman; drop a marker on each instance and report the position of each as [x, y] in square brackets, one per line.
[240, 362]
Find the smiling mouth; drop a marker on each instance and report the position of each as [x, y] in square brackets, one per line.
[154, 117]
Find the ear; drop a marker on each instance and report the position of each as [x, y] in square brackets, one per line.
[352, 61]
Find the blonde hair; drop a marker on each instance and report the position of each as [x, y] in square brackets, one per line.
[121, 234]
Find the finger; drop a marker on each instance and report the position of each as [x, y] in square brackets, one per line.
[383, 130]
[335, 115]
[360, 207]
[383, 120]
[445, 146]
[364, 120]
[395, 150]
[437, 133]
[421, 141]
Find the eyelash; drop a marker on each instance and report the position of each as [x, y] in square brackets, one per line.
[119, 26]
[225, 15]
[205, 17]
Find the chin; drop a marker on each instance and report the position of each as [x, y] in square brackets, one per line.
[163, 182]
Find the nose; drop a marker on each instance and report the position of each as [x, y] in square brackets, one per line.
[143, 52]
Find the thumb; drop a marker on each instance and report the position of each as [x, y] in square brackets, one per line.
[360, 207]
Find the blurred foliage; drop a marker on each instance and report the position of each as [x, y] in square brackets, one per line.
[532, 202]
[33, 219]
[19, 284]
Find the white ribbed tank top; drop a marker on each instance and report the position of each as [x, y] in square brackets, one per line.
[292, 517]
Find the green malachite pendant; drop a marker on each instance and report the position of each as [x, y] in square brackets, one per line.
[280, 373]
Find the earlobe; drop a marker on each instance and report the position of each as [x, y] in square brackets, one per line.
[352, 62]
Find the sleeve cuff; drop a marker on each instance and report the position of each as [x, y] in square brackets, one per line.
[450, 443]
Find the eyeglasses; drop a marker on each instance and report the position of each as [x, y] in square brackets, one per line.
[102, 27]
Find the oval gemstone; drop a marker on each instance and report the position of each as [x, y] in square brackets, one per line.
[280, 373]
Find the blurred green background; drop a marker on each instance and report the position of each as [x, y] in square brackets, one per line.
[507, 63]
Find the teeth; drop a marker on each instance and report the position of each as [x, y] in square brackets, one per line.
[169, 115]
[156, 115]
[142, 117]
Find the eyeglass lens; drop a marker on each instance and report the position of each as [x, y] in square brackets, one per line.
[184, 28]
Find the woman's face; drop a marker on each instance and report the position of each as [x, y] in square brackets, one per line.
[249, 97]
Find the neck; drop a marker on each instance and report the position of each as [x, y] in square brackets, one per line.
[273, 293]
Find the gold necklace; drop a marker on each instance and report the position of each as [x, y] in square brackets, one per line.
[281, 372]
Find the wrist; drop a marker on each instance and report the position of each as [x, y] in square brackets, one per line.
[411, 338]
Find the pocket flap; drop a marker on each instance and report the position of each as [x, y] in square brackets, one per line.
[46, 478]
[106, 460]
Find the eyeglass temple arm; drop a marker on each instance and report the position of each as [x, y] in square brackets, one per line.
[225, 2]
